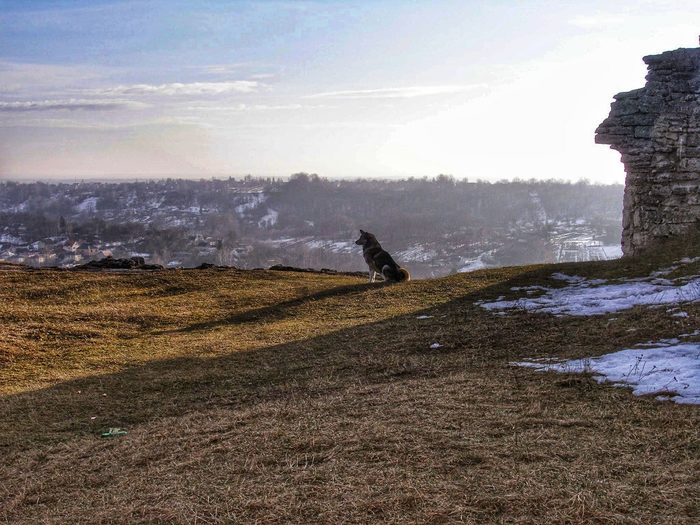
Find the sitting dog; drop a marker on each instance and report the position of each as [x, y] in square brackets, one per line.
[379, 260]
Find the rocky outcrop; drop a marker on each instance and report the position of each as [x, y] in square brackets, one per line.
[109, 263]
[326, 271]
[657, 131]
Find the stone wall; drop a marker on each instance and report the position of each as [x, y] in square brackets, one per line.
[657, 131]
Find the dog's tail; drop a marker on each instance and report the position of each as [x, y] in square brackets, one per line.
[395, 274]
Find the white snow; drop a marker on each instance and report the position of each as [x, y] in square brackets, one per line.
[529, 289]
[673, 371]
[417, 253]
[88, 205]
[475, 264]
[596, 297]
[253, 200]
[424, 317]
[6, 238]
[538, 210]
[156, 203]
[269, 220]
[435, 346]
[284, 241]
[332, 246]
[314, 244]
[343, 246]
[18, 208]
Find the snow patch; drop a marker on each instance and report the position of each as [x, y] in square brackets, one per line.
[269, 219]
[476, 264]
[332, 246]
[596, 296]
[417, 253]
[6, 238]
[19, 208]
[673, 371]
[253, 200]
[88, 205]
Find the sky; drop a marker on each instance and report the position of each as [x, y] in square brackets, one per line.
[386, 88]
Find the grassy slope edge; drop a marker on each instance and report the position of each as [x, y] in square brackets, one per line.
[294, 398]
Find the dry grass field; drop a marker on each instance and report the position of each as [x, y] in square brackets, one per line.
[282, 397]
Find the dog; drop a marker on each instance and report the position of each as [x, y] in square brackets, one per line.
[379, 260]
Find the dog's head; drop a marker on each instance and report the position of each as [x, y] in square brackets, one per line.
[365, 238]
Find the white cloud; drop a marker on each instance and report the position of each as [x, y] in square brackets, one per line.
[183, 89]
[398, 92]
[70, 104]
[251, 107]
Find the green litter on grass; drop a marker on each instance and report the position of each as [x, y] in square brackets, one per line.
[114, 432]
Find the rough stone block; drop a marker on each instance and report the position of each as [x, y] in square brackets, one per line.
[643, 132]
[691, 164]
[657, 131]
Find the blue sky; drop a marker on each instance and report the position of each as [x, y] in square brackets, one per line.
[478, 89]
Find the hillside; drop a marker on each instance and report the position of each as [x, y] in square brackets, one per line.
[309, 221]
[283, 397]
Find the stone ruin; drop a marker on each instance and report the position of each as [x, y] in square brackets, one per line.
[657, 131]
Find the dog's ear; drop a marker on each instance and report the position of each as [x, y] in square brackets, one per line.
[362, 231]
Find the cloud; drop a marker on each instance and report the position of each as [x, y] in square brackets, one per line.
[251, 107]
[183, 89]
[399, 92]
[71, 105]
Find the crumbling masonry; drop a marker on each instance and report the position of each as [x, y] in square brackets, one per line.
[657, 131]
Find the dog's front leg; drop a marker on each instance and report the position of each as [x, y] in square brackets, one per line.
[372, 275]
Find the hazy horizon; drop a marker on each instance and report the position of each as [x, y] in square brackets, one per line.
[392, 89]
[223, 176]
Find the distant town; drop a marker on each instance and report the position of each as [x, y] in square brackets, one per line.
[435, 226]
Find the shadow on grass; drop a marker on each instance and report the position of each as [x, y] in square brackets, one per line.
[273, 312]
[394, 349]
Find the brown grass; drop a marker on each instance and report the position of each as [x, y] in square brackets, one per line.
[263, 397]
